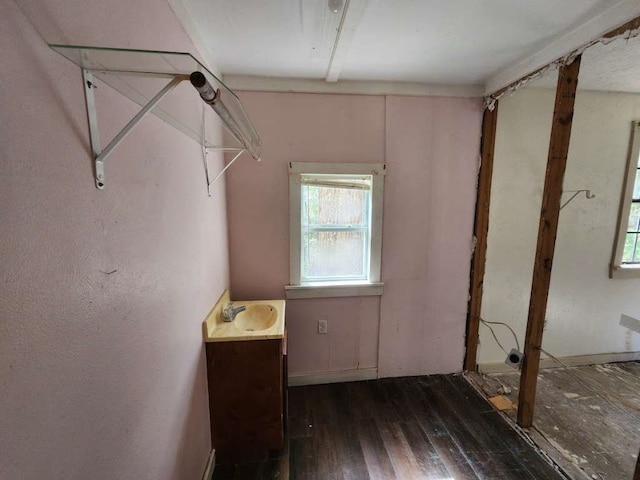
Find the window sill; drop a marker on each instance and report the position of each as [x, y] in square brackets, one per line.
[626, 271]
[293, 292]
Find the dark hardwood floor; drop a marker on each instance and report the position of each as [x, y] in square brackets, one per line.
[434, 427]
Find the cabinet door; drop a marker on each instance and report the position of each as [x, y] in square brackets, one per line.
[245, 394]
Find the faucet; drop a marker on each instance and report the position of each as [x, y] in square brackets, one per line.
[230, 311]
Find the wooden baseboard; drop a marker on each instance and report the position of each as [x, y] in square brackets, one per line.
[333, 377]
[572, 361]
[211, 465]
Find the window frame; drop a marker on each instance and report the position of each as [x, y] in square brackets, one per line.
[371, 286]
[617, 268]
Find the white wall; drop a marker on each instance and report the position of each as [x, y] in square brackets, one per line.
[584, 304]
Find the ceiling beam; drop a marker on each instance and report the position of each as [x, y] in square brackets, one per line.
[351, 16]
[355, 87]
[608, 20]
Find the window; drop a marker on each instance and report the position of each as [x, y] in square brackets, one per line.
[335, 229]
[626, 261]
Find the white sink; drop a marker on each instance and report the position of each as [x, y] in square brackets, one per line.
[262, 319]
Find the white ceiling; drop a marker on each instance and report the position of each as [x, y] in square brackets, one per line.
[614, 67]
[442, 42]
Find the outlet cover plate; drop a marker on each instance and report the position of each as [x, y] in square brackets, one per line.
[514, 358]
[323, 326]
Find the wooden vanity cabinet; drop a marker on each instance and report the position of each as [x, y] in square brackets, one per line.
[247, 389]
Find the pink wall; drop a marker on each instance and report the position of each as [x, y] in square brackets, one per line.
[101, 375]
[430, 146]
[432, 151]
[311, 128]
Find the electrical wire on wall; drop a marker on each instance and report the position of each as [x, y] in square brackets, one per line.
[488, 324]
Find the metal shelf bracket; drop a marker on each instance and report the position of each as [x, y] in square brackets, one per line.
[99, 156]
[587, 194]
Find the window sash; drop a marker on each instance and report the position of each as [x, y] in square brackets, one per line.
[366, 255]
[635, 251]
[336, 181]
[306, 277]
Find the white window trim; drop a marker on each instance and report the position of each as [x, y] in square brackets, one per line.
[617, 269]
[335, 289]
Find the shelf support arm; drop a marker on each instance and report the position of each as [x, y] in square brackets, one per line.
[98, 155]
[92, 116]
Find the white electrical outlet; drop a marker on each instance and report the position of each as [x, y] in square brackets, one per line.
[514, 358]
[323, 327]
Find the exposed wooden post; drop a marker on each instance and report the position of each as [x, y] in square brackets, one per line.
[547, 231]
[480, 229]
[636, 473]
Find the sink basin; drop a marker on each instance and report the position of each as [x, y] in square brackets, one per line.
[262, 320]
[256, 318]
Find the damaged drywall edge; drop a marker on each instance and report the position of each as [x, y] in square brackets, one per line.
[510, 90]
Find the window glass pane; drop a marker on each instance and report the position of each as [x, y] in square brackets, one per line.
[334, 255]
[631, 253]
[334, 206]
[634, 218]
[636, 186]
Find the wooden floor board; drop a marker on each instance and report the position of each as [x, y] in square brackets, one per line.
[375, 454]
[423, 409]
[425, 453]
[485, 421]
[632, 368]
[302, 458]
[359, 402]
[587, 418]
[449, 440]
[383, 404]
[403, 460]
[351, 460]
[434, 427]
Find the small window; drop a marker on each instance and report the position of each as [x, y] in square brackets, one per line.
[336, 229]
[626, 262]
